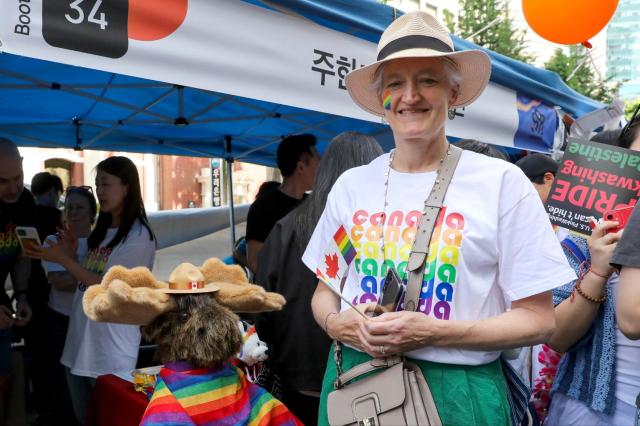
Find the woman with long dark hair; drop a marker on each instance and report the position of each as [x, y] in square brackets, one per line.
[122, 236]
[292, 333]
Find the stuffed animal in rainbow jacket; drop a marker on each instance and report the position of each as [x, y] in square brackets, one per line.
[192, 321]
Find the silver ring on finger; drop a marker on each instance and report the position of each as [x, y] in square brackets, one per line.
[383, 350]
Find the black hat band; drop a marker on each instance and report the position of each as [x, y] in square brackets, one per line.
[414, 42]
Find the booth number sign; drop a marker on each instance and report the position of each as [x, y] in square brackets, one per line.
[90, 26]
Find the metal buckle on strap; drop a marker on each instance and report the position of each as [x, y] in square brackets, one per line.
[369, 421]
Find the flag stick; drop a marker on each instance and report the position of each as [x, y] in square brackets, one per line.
[343, 298]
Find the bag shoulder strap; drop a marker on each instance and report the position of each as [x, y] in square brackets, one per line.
[432, 207]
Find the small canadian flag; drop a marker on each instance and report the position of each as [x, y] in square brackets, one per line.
[194, 285]
[336, 258]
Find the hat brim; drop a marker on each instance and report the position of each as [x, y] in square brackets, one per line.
[474, 65]
[209, 288]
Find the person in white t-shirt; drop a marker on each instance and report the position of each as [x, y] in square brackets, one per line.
[80, 211]
[490, 243]
[122, 236]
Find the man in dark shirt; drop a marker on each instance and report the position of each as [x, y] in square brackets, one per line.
[17, 207]
[298, 161]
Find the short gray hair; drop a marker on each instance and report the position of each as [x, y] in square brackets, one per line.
[451, 71]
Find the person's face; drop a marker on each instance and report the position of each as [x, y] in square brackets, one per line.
[78, 213]
[545, 187]
[11, 178]
[111, 192]
[420, 96]
[308, 167]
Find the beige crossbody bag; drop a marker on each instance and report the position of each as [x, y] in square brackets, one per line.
[397, 392]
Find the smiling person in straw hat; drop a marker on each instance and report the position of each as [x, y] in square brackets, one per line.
[490, 244]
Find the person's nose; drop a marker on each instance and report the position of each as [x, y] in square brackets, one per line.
[411, 94]
[16, 188]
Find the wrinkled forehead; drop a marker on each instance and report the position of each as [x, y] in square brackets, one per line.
[413, 66]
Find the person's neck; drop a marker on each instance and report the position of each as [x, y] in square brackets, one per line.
[82, 231]
[293, 188]
[115, 220]
[418, 157]
[43, 201]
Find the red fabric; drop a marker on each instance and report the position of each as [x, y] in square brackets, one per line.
[114, 401]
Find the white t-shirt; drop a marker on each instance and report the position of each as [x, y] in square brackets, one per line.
[62, 301]
[96, 348]
[493, 241]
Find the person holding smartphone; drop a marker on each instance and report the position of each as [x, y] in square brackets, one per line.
[17, 207]
[122, 236]
[598, 377]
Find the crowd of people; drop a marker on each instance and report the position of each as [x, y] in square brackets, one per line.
[494, 275]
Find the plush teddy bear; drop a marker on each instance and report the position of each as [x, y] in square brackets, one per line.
[253, 349]
[191, 318]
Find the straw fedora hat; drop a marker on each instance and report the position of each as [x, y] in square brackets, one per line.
[188, 279]
[419, 35]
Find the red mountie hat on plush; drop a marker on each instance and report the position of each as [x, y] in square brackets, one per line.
[536, 165]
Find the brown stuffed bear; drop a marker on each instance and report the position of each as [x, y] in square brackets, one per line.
[192, 320]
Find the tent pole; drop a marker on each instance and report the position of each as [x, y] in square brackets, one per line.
[228, 159]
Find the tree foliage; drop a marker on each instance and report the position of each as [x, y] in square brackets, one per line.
[488, 23]
[574, 67]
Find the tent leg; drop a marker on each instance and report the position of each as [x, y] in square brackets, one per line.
[232, 217]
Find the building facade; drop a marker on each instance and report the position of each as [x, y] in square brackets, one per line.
[623, 48]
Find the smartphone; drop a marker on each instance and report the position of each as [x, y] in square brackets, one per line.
[620, 215]
[392, 293]
[28, 237]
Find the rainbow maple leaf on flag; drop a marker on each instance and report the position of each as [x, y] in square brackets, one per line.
[336, 258]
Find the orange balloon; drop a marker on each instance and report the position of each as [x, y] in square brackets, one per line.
[155, 19]
[568, 21]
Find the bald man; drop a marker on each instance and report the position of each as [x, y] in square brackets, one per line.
[17, 207]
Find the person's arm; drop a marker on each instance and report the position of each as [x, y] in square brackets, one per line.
[628, 302]
[20, 274]
[575, 315]
[57, 254]
[530, 321]
[62, 280]
[341, 326]
[253, 250]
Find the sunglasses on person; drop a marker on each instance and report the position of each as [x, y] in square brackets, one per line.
[83, 188]
[630, 123]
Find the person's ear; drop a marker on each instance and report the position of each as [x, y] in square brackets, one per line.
[454, 95]
[549, 177]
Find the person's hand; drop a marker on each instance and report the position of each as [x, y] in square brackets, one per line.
[395, 333]
[23, 312]
[6, 321]
[345, 326]
[601, 247]
[68, 240]
[56, 252]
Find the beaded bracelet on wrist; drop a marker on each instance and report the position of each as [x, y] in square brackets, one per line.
[586, 296]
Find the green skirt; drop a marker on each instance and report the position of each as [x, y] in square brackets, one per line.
[464, 394]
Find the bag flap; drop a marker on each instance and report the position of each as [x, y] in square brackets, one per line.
[382, 391]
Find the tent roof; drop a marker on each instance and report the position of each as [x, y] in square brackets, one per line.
[48, 104]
